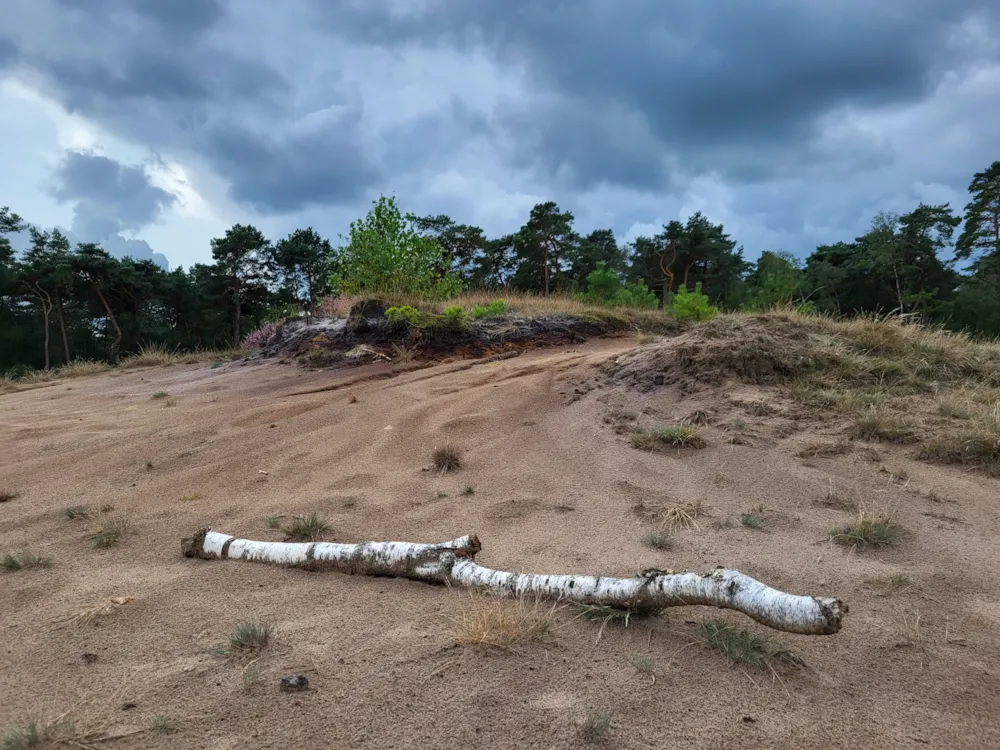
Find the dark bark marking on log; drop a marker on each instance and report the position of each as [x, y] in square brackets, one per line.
[225, 548]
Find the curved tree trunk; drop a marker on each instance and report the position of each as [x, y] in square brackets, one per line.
[62, 324]
[452, 563]
[46, 303]
[111, 317]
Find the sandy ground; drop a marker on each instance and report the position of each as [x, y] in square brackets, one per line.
[916, 668]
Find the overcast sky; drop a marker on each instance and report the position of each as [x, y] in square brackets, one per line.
[790, 121]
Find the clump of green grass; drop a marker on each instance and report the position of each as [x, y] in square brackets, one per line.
[307, 528]
[447, 458]
[644, 664]
[216, 364]
[739, 646]
[494, 309]
[620, 418]
[468, 491]
[22, 738]
[274, 522]
[112, 532]
[871, 528]
[164, 725]
[12, 562]
[159, 395]
[752, 520]
[658, 540]
[249, 639]
[595, 725]
[663, 438]
[7, 495]
[76, 511]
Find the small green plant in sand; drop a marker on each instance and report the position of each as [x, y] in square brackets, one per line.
[163, 725]
[663, 438]
[871, 528]
[75, 511]
[658, 540]
[752, 520]
[159, 395]
[249, 639]
[310, 528]
[594, 726]
[739, 646]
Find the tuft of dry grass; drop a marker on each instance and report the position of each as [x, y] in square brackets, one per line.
[76, 511]
[872, 527]
[824, 450]
[666, 437]
[882, 424]
[152, 355]
[83, 368]
[12, 562]
[671, 517]
[977, 445]
[403, 354]
[112, 532]
[447, 458]
[86, 615]
[490, 622]
[8, 385]
[309, 528]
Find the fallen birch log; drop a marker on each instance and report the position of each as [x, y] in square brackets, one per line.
[452, 563]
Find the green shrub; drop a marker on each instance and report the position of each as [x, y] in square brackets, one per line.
[692, 305]
[455, 316]
[605, 288]
[495, 309]
[386, 252]
[403, 316]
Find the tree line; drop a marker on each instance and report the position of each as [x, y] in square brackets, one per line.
[60, 303]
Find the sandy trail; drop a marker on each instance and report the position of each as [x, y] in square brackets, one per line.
[553, 488]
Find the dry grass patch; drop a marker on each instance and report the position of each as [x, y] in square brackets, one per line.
[671, 518]
[666, 437]
[491, 622]
[112, 531]
[83, 368]
[447, 458]
[882, 424]
[887, 585]
[977, 445]
[873, 527]
[825, 450]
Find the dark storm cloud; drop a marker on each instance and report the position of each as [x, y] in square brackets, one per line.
[294, 171]
[727, 86]
[573, 96]
[110, 198]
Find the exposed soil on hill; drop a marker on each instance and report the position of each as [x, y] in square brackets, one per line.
[545, 439]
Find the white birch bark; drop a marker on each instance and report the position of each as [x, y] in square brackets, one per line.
[452, 562]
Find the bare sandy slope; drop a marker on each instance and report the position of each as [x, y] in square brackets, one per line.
[918, 667]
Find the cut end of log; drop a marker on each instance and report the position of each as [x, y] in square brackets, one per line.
[194, 546]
